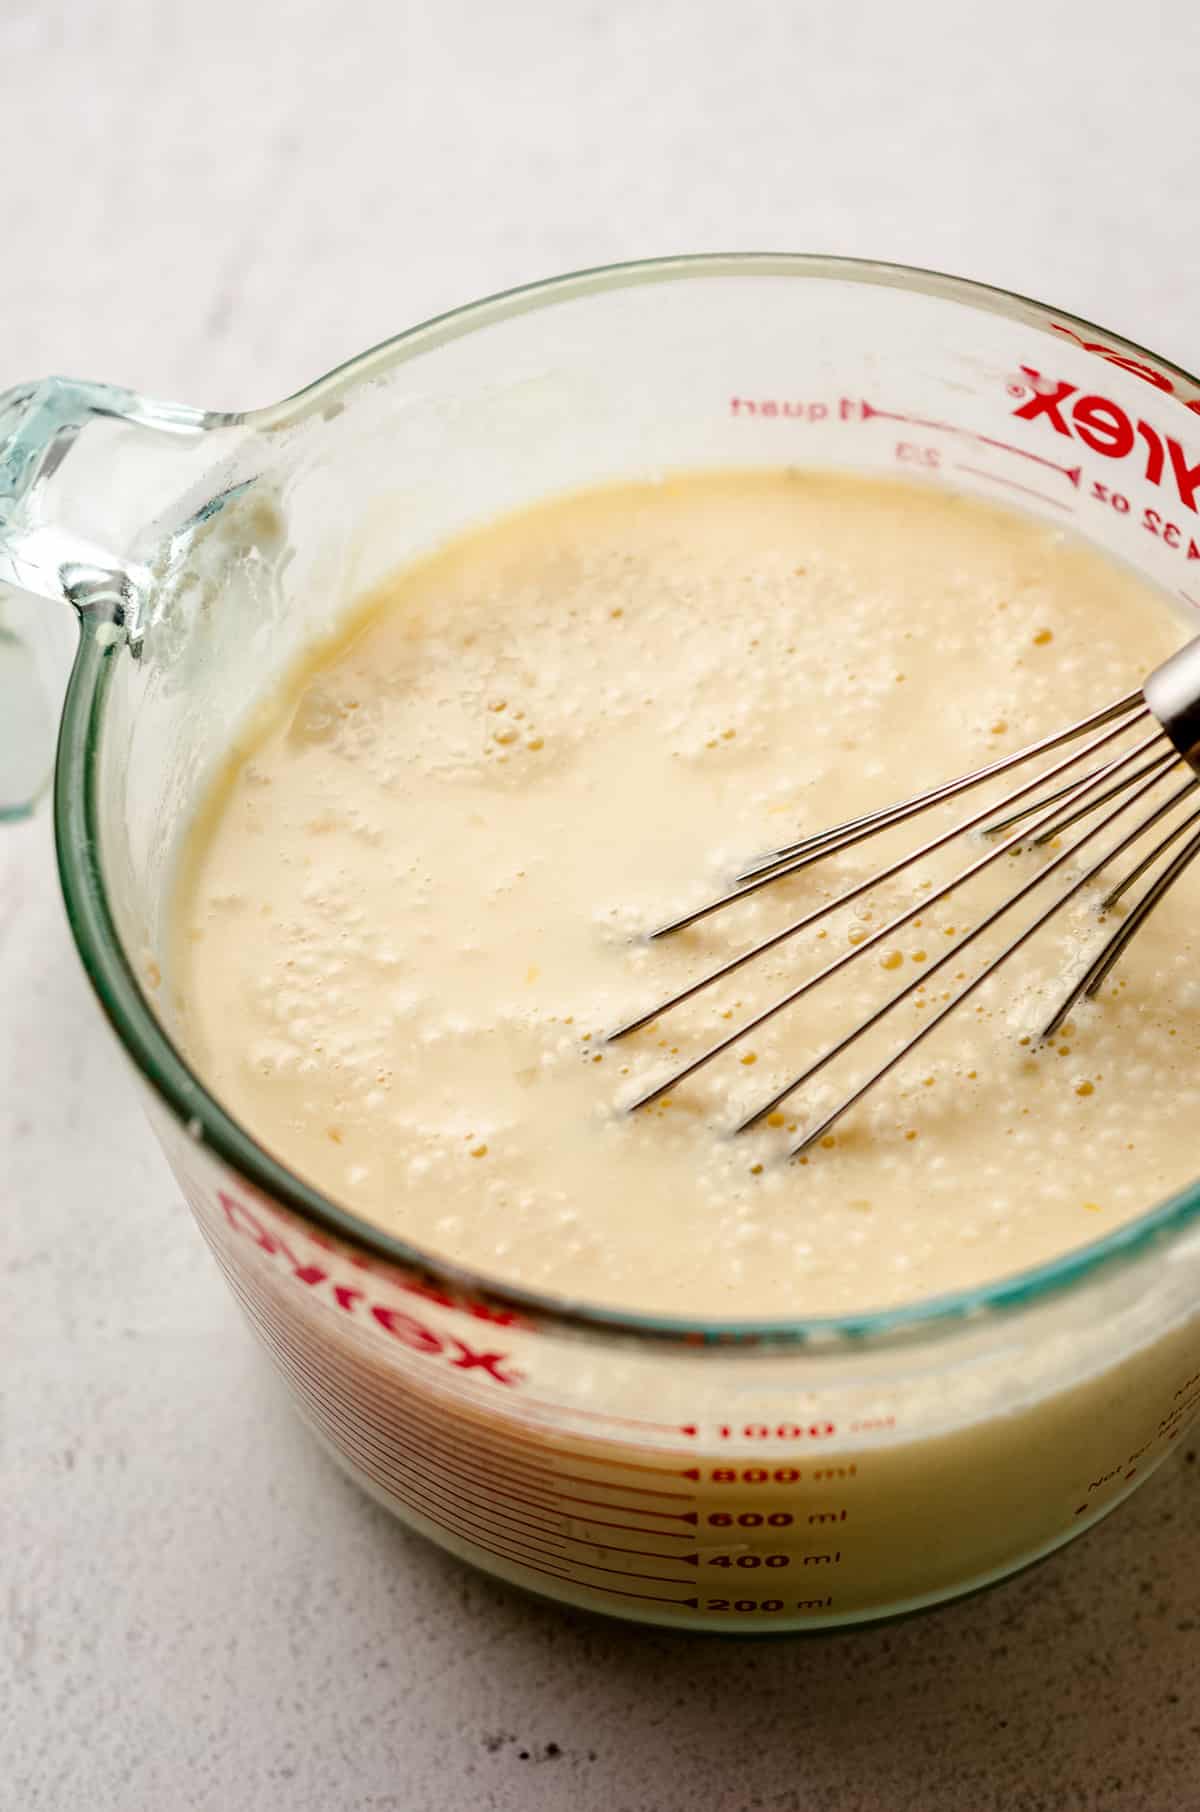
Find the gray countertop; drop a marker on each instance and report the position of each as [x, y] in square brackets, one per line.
[215, 204]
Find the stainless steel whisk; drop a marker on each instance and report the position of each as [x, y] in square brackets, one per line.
[1168, 707]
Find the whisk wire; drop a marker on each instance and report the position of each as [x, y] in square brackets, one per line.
[818, 1132]
[850, 894]
[1035, 813]
[859, 829]
[1135, 874]
[1097, 972]
[885, 815]
[990, 855]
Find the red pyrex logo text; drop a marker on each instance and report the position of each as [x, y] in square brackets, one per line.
[1106, 428]
[416, 1335]
[1149, 374]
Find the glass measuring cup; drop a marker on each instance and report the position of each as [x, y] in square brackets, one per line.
[809, 1474]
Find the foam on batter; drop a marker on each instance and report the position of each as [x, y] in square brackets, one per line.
[412, 906]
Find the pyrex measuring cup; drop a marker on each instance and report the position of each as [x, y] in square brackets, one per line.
[772, 1475]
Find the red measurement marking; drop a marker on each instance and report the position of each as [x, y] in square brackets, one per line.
[597, 1415]
[481, 1473]
[361, 1438]
[516, 1408]
[434, 1432]
[466, 1533]
[269, 1316]
[461, 1500]
[673, 1516]
[501, 1439]
[589, 1566]
[551, 1472]
[357, 1441]
[1013, 485]
[580, 1478]
[482, 1478]
[460, 1505]
[616, 1547]
[297, 1364]
[413, 1421]
[661, 1472]
[595, 1522]
[420, 1411]
[478, 1468]
[447, 1514]
[453, 1495]
[692, 1604]
[1192, 601]
[1074, 473]
[422, 1459]
[314, 1381]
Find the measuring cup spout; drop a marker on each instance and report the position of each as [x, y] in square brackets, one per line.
[94, 481]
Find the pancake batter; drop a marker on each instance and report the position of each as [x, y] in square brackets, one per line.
[412, 906]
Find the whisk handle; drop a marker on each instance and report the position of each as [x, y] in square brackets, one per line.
[1173, 694]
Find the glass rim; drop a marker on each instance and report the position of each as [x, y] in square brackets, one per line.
[169, 1075]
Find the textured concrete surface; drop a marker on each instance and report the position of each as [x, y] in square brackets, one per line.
[215, 204]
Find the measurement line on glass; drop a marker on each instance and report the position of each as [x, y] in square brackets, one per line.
[466, 1509]
[517, 1470]
[413, 1403]
[461, 1516]
[461, 1506]
[428, 1439]
[597, 1415]
[441, 1519]
[493, 1526]
[334, 1416]
[364, 1444]
[464, 1497]
[559, 1537]
[465, 1532]
[1013, 484]
[366, 1340]
[591, 1566]
[261, 1307]
[422, 1460]
[465, 1503]
[467, 1462]
[481, 1473]
[465, 1517]
[734, 1518]
[411, 1421]
[456, 1497]
[1074, 473]
[525, 1544]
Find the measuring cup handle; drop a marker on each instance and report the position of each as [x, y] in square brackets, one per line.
[92, 477]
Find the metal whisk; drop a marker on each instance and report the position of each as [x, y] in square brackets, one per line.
[1166, 713]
